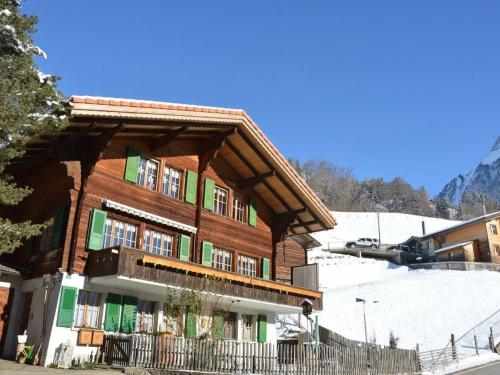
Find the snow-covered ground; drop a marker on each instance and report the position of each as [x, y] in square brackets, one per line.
[418, 306]
[394, 227]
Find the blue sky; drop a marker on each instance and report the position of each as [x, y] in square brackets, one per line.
[389, 88]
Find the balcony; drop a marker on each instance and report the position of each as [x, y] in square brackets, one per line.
[125, 267]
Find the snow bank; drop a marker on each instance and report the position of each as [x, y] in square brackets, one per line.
[419, 306]
[394, 227]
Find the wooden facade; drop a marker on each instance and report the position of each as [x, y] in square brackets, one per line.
[72, 173]
[476, 240]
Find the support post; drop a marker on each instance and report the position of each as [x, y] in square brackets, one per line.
[453, 347]
[475, 345]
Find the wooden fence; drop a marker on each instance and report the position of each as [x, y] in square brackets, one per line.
[457, 266]
[229, 357]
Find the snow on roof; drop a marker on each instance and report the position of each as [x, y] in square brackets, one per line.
[451, 247]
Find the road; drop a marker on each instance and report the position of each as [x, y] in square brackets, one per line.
[490, 369]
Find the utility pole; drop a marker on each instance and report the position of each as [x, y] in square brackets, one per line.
[378, 223]
[484, 204]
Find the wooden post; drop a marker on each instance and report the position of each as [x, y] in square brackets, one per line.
[453, 347]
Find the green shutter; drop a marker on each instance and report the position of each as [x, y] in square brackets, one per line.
[57, 228]
[191, 320]
[191, 184]
[262, 328]
[208, 200]
[206, 253]
[265, 268]
[66, 306]
[252, 211]
[132, 166]
[129, 311]
[113, 306]
[218, 326]
[95, 238]
[184, 247]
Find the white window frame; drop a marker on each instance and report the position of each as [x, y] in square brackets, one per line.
[88, 316]
[221, 198]
[112, 237]
[171, 184]
[145, 175]
[222, 259]
[145, 316]
[247, 265]
[247, 332]
[239, 208]
[150, 236]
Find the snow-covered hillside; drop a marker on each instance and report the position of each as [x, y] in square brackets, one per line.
[419, 306]
[394, 227]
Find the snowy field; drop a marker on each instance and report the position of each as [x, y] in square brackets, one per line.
[394, 227]
[419, 306]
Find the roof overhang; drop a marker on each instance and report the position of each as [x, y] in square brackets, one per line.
[245, 148]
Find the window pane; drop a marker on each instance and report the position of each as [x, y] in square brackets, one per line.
[220, 201]
[131, 235]
[156, 243]
[167, 245]
[119, 233]
[147, 240]
[145, 317]
[107, 233]
[141, 173]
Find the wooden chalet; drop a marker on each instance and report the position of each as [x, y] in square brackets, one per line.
[148, 199]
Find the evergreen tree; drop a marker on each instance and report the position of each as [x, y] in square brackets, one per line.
[30, 105]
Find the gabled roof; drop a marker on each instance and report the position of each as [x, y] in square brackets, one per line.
[245, 148]
[467, 223]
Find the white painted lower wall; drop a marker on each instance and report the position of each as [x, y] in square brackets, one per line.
[56, 336]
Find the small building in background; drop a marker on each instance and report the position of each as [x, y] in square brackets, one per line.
[476, 240]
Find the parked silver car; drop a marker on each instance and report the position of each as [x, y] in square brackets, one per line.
[363, 242]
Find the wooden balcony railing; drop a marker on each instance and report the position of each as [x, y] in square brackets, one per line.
[134, 263]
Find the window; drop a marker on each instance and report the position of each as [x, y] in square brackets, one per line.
[171, 182]
[222, 259]
[230, 326]
[247, 331]
[46, 238]
[239, 209]
[497, 249]
[119, 233]
[87, 309]
[158, 243]
[220, 201]
[144, 321]
[171, 318]
[148, 173]
[247, 266]
[493, 229]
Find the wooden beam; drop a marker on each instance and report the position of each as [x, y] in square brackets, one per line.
[212, 148]
[283, 181]
[298, 225]
[168, 138]
[255, 180]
